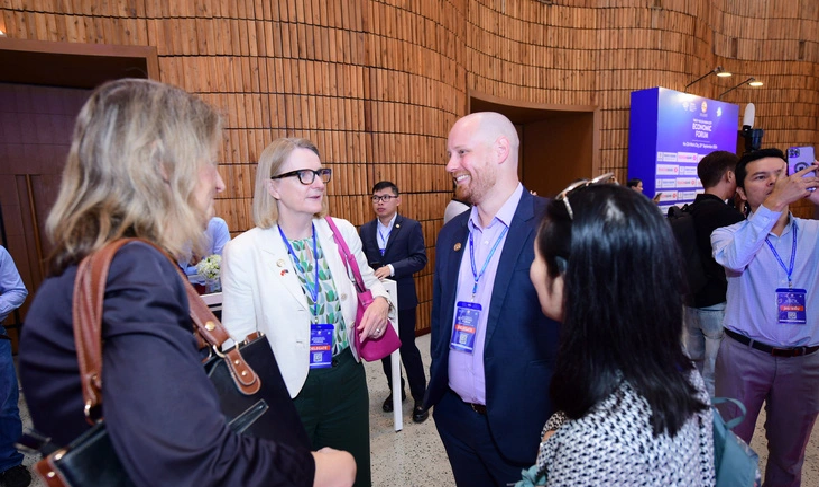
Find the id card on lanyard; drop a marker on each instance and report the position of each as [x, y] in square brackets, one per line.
[321, 345]
[465, 326]
[791, 304]
[321, 334]
[468, 313]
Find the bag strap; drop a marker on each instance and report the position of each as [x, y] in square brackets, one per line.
[735, 421]
[89, 286]
[349, 260]
[89, 291]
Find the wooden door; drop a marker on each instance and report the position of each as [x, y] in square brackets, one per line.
[36, 123]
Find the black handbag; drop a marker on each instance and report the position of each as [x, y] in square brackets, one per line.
[251, 390]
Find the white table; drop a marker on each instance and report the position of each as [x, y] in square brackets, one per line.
[212, 299]
[395, 358]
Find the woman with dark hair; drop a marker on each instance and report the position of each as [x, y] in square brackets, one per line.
[632, 408]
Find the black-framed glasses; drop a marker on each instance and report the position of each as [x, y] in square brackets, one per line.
[564, 195]
[307, 176]
[384, 197]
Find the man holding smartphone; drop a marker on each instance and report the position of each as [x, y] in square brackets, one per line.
[772, 314]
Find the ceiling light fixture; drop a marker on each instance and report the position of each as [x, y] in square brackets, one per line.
[749, 81]
[721, 73]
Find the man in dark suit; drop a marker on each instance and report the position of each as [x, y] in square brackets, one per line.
[394, 247]
[493, 349]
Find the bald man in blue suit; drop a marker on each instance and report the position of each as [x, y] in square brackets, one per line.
[492, 348]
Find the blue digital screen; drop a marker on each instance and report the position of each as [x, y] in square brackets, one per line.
[669, 133]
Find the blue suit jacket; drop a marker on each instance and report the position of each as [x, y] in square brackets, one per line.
[521, 343]
[405, 251]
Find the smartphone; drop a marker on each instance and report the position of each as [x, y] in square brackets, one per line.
[799, 158]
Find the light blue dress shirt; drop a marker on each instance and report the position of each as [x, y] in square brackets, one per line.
[754, 274]
[12, 290]
[217, 236]
[467, 376]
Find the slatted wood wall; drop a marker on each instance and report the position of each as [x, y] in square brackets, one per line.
[377, 84]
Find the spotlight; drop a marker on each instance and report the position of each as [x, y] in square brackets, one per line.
[749, 81]
[721, 73]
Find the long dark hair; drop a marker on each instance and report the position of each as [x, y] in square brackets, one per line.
[622, 309]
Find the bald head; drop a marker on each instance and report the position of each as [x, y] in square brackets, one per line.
[483, 158]
[489, 127]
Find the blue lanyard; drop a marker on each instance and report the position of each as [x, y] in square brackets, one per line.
[475, 273]
[779, 259]
[384, 239]
[314, 289]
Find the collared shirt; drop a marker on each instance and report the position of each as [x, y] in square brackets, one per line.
[754, 274]
[466, 372]
[383, 236]
[218, 235]
[12, 290]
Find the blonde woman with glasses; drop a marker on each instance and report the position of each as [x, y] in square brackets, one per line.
[285, 278]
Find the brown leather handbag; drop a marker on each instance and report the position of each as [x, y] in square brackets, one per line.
[247, 378]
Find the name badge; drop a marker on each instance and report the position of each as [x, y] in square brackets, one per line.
[321, 345]
[790, 306]
[465, 327]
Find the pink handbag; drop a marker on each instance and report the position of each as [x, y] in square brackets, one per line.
[369, 349]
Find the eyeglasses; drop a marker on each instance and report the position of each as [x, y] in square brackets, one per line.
[307, 176]
[564, 195]
[384, 198]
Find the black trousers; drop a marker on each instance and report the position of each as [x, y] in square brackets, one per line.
[410, 356]
[470, 445]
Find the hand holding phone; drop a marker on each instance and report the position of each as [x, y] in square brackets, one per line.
[799, 159]
[811, 172]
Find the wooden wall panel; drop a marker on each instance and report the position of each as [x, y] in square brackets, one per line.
[377, 83]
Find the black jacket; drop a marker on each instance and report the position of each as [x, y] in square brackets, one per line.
[709, 212]
[405, 251]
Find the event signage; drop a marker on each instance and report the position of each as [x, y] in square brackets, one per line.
[669, 132]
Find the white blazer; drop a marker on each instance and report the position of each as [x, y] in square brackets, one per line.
[258, 295]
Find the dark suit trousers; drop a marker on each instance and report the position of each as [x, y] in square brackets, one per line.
[473, 453]
[410, 355]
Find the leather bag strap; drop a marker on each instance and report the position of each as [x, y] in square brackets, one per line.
[89, 290]
[89, 287]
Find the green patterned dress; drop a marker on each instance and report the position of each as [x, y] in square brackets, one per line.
[329, 306]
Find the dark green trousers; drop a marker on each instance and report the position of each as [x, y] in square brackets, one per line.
[334, 407]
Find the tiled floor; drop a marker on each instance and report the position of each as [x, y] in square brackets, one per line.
[415, 457]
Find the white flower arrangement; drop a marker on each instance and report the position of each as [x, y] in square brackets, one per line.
[210, 268]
